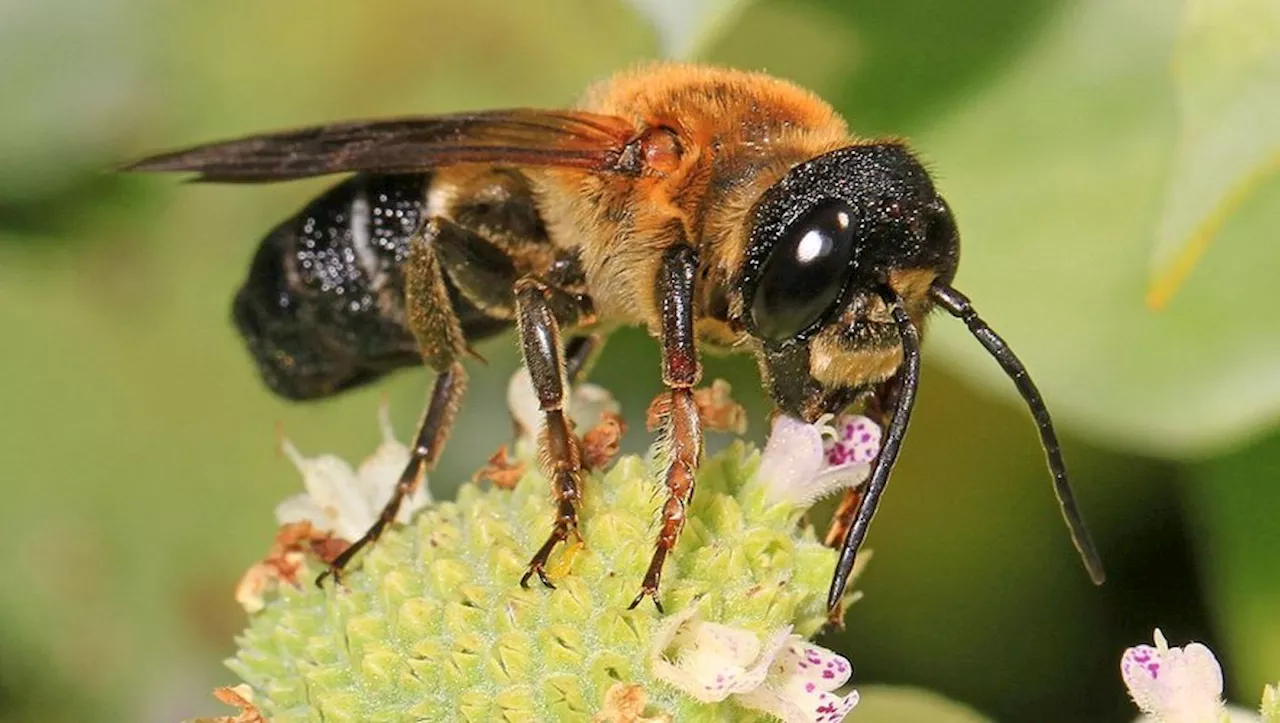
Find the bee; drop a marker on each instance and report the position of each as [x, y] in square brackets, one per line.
[717, 208]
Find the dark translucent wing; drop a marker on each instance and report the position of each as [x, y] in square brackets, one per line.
[519, 137]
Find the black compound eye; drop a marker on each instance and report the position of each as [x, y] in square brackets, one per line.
[805, 272]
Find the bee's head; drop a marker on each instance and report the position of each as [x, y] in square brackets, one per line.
[845, 256]
[829, 244]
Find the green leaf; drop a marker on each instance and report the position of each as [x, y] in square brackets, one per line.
[1227, 73]
[1056, 172]
[684, 26]
[1235, 503]
[891, 703]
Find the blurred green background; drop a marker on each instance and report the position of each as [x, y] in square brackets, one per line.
[1083, 146]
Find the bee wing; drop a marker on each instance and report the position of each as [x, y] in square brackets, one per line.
[517, 137]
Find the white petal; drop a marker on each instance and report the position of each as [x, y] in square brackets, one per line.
[701, 674]
[712, 661]
[829, 481]
[332, 485]
[1176, 685]
[724, 643]
[667, 631]
[1233, 714]
[588, 404]
[769, 652]
[380, 472]
[792, 458]
[301, 508]
[819, 707]
[522, 401]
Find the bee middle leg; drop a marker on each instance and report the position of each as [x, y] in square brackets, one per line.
[579, 353]
[878, 410]
[676, 410]
[540, 308]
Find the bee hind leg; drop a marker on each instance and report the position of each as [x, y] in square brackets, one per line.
[442, 344]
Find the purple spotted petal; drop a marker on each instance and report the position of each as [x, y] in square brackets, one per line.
[808, 663]
[800, 686]
[1174, 684]
[857, 441]
[799, 466]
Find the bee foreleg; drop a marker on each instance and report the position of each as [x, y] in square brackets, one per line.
[908, 376]
[677, 413]
[539, 310]
[441, 343]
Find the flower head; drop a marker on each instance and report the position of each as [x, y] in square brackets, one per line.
[803, 463]
[782, 674]
[432, 622]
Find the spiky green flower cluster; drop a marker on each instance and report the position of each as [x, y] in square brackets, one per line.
[434, 626]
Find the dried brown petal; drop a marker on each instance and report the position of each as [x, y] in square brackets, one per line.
[285, 560]
[501, 470]
[625, 704]
[240, 696]
[718, 411]
[601, 443]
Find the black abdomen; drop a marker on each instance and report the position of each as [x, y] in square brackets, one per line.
[323, 307]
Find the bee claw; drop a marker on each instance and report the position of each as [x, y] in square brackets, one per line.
[332, 571]
[647, 592]
[542, 577]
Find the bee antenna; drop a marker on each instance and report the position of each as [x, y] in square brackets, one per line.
[907, 378]
[959, 306]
